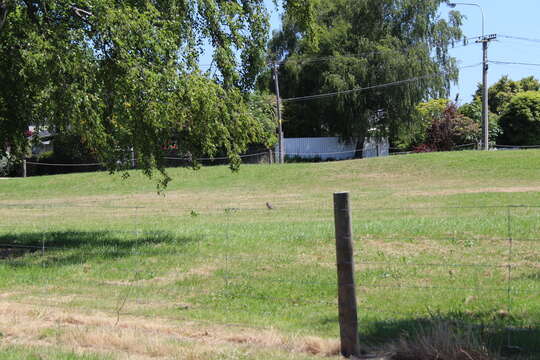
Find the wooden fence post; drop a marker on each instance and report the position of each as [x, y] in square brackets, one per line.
[348, 318]
[24, 168]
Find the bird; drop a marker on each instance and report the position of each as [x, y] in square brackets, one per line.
[269, 206]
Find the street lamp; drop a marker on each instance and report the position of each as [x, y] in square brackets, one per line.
[485, 106]
[454, 4]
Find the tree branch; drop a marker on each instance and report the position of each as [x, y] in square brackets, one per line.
[83, 14]
[3, 13]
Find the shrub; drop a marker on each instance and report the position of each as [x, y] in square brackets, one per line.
[521, 120]
[451, 129]
[439, 126]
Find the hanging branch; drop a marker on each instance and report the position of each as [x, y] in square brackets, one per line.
[3, 13]
[83, 14]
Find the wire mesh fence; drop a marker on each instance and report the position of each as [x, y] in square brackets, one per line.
[275, 267]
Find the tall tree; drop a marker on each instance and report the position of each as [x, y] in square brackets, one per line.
[125, 73]
[361, 44]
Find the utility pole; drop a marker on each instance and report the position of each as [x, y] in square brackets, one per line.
[281, 141]
[485, 102]
[484, 39]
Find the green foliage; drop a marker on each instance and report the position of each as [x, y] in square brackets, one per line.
[263, 108]
[363, 43]
[69, 148]
[500, 96]
[125, 74]
[450, 129]
[521, 119]
[473, 110]
[416, 132]
[432, 109]
[500, 93]
[439, 126]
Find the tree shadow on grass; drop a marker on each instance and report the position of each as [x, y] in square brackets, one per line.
[76, 247]
[510, 341]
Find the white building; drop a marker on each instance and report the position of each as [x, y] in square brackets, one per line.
[332, 148]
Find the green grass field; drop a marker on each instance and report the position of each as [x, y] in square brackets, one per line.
[96, 267]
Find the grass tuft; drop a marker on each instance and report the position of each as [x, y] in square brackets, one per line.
[442, 340]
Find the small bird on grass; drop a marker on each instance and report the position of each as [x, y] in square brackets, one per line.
[269, 206]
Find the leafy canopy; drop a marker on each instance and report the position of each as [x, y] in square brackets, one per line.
[125, 74]
[521, 119]
[439, 126]
[499, 96]
[500, 93]
[363, 43]
[473, 110]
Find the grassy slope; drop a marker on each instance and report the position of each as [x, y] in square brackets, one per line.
[394, 175]
[183, 257]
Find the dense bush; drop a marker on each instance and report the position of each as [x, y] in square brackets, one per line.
[520, 120]
[440, 127]
[473, 110]
[452, 129]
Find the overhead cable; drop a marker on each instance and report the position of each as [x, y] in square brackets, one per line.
[390, 84]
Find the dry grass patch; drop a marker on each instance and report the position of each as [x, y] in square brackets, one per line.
[442, 340]
[143, 337]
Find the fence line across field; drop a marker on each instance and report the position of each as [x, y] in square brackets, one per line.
[276, 153]
[229, 258]
[435, 265]
[518, 146]
[259, 258]
[444, 238]
[214, 158]
[262, 208]
[62, 164]
[480, 289]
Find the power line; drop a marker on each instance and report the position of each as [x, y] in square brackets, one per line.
[50, 164]
[344, 92]
[513, 63]
[394, 83]
[520, 38]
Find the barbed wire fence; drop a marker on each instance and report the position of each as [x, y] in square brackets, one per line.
[261, 262]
